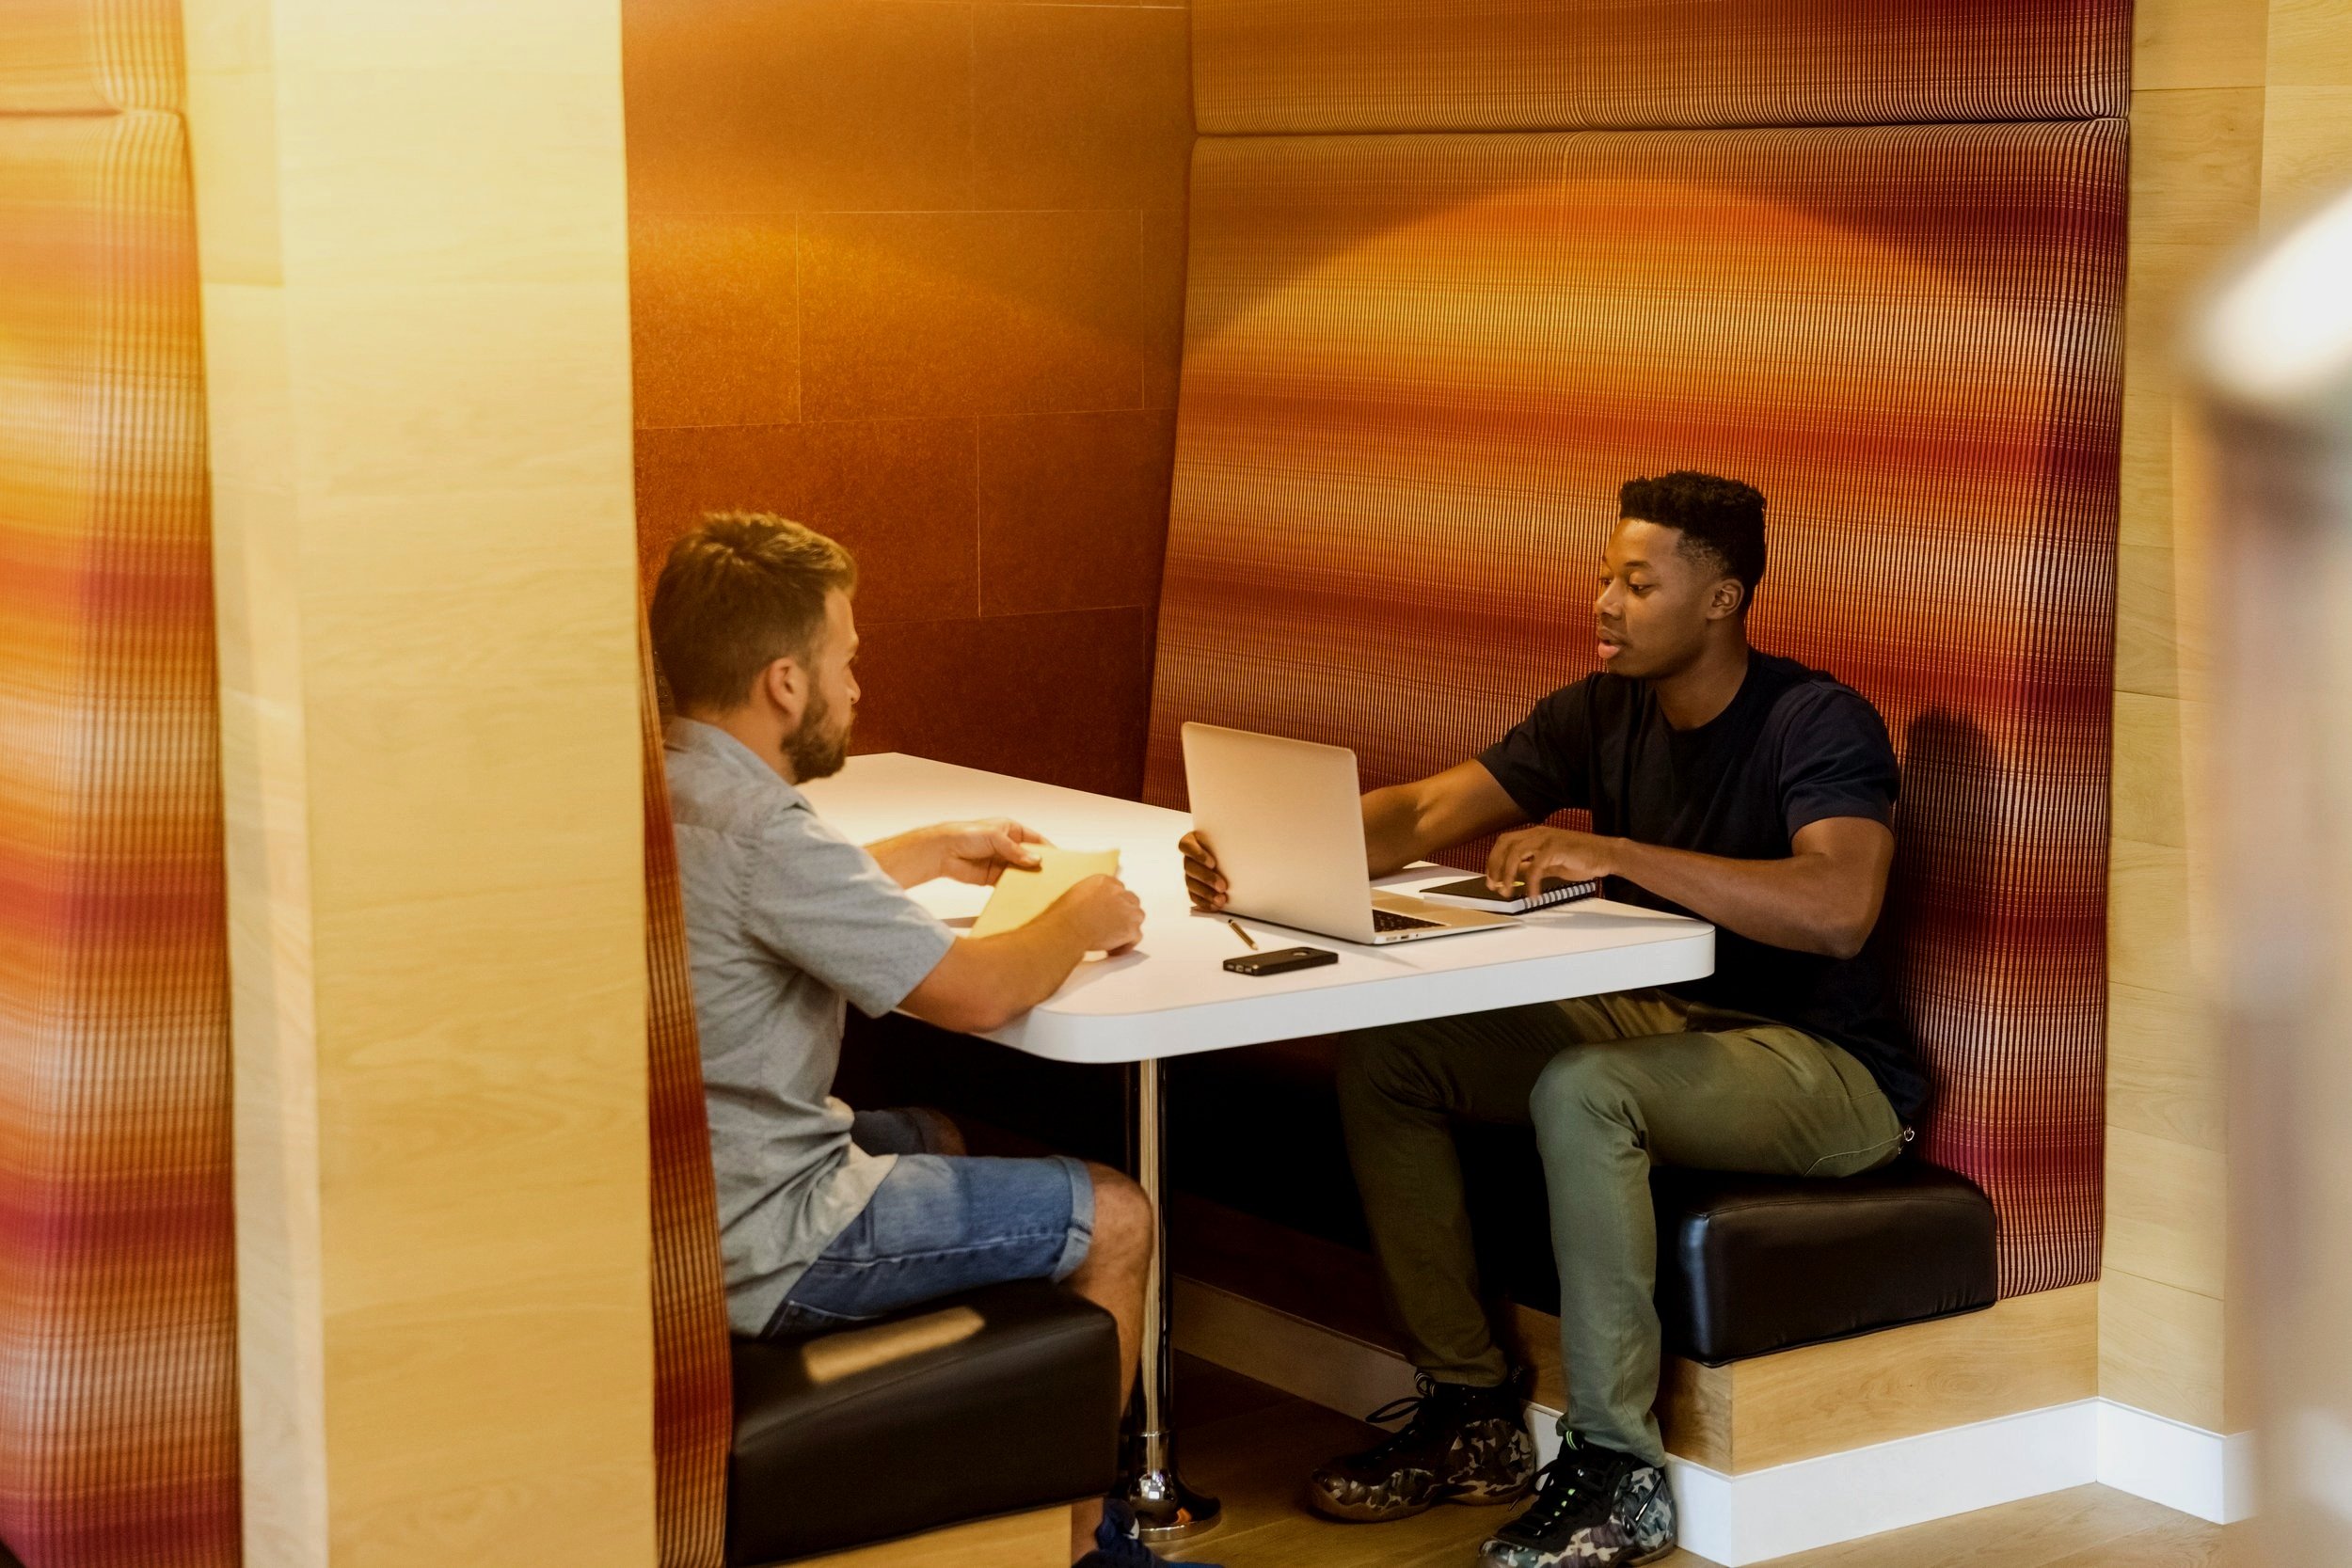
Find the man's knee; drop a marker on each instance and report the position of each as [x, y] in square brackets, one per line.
[1124, 1222]
[1586, 1084]
[1385, 1064]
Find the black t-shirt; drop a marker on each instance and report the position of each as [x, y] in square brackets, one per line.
[1795, 747]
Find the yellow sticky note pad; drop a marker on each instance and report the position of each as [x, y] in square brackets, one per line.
[1020, 897]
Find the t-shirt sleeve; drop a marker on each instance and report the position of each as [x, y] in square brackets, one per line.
[1836, 761]
[1546, 763]
[824, 905]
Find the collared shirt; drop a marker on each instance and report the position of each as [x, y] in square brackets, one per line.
[787, 922]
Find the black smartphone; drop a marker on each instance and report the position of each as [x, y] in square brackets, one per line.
[1282, 961]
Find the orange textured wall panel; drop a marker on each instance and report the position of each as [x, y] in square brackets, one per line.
[117, 1314]
[1416, 369]
[911, 273]
[1306, 66]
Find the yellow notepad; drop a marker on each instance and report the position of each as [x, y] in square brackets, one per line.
[1020, 897]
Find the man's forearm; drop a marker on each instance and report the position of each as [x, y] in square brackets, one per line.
[910, 859]
[1012, 972]
[1038, 957]
[1391, 830]
[1805, 902]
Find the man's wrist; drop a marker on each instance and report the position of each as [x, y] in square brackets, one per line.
[938, 840]
[1616, 857]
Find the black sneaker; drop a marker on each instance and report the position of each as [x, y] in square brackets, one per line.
[1461, 1445]
[1593, 1508]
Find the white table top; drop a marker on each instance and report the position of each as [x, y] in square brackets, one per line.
[1171, 996]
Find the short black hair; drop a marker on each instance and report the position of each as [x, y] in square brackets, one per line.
[1720, 517]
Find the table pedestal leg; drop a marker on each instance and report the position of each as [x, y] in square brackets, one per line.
[1166, 1509]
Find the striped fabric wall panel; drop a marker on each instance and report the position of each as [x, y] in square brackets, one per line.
[1418, 367]
[85, 56]
[694, 1394]
[117, 1314]
[1320, 66]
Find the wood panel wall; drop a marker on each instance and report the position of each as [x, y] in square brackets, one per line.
[413, 248]
[912, 273]
[2241, 115]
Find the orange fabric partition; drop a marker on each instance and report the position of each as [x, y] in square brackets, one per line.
[118, 1311]
[693, 1396]
[1418, 367]
[86, 57]
[1299, 66]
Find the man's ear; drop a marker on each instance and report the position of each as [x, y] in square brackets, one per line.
[1730, 593]
[783, 685]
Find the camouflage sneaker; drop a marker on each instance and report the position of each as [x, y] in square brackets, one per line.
[1461, 1445]
[1593, 1508]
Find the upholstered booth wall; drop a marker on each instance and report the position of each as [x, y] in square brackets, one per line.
[117, 1314]
[1293, 66]
[692, 1400]
[1418, 366]
[90, 56]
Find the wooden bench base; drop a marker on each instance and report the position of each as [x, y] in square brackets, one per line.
[2027, 1353]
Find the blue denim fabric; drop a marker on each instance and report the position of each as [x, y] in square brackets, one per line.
[940, 1225]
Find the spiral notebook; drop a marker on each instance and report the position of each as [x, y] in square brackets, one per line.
[1474, 890]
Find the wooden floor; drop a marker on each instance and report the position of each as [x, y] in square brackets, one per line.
[1251, 1445]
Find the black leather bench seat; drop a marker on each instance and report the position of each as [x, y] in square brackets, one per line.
[1752, 1264]
[994, 1402]
[1747, 1265]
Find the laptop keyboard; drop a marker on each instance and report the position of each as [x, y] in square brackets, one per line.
[1388, 920]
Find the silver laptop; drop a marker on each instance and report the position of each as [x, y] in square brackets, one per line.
[1286, 824]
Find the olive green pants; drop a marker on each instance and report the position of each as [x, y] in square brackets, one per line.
[1612, 1085]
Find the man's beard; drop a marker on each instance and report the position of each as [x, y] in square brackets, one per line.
[816, 749]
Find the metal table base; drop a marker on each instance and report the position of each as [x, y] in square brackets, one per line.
[1166, 1509]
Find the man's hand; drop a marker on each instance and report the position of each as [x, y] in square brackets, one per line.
[1523, 859]
[980, 851]
[984, 983]
[1101, 914]
[1201, 879]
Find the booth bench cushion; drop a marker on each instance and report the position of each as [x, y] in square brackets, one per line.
[1747, 1265]
[1752, 1264]
[1002, 1400]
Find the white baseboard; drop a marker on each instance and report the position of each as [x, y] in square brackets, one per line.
[1768, 1514]
[1762, 1514]
[2181, 1467]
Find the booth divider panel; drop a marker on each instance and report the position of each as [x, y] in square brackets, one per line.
[694, 1419]
[118, 1294]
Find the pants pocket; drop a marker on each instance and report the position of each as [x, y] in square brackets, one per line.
[1855, 1161]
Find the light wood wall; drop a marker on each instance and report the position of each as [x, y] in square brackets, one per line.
[2241, 115]
[413, 249]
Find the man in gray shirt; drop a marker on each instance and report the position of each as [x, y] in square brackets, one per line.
[829, 1217]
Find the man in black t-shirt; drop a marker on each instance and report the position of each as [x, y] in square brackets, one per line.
[1723, 783]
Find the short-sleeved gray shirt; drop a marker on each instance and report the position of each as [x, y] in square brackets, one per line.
[786, 922]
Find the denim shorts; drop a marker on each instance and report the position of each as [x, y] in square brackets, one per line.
[939, 1225]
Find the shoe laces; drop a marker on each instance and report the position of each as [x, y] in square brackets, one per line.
[1568, 1483]
[1417, 1410]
